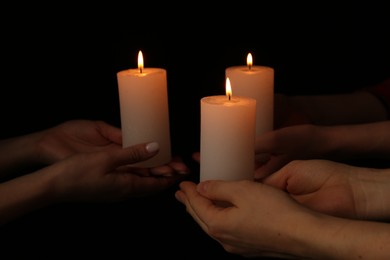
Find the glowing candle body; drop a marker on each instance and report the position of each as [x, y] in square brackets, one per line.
[256, 82]
[144, 111]
[227, 147]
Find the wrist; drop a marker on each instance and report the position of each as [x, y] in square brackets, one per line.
[33, 154]
[372, 195]
[327, 144]
[339, 142]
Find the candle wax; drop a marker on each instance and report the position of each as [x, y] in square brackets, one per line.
[144, 111]
[227, 138]
[257, 83]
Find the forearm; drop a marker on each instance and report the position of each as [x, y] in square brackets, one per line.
[327, 237]
[18, 153]
[351, 108]
[25, 194]
[370, 141]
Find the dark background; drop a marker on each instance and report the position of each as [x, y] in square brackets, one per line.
[61, 64]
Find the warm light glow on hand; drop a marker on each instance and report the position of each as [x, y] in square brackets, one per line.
[228, 89]
[140, 62]
[249, 61]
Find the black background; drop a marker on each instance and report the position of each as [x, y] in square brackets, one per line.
[61, 64]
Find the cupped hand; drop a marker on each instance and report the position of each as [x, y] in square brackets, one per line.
[257, 224]
[106, 176]
[77, 136]
[84, 136]
[330, 187]
[276, 148]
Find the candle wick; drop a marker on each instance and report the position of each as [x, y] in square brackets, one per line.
[140, 70]
[229, 96]
[250, 67]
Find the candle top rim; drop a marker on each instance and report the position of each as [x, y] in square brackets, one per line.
[223, 100]
[135, 71]
[254, 68]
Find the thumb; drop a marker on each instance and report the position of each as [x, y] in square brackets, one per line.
[278, 179]
[217, 190]
[135, 153]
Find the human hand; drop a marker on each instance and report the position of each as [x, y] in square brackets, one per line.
[106, 175]
[77, 136]
[257, 224]
[80, 136]
[94, 176]
[264, 221]
[335, 188]
[276, 148]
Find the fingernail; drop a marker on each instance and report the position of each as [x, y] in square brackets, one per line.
[152, 147]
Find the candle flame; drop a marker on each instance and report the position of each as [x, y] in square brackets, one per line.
[140, 62]
[228, 89]
[249, 61]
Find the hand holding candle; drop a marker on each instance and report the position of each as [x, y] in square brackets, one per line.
[227, 147]
[144, 110]
[256, 82]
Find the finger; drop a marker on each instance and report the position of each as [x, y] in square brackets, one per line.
[179, 166]
[110, 132]
[175, 166]
[280, 178]
[181, 196]
[133, 154]
[184, 194]
[196, 156]
[218, 190]
[163, 170]
[189, 197]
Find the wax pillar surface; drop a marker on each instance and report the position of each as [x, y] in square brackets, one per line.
[144, 111]
[227, 147]
[258, 83]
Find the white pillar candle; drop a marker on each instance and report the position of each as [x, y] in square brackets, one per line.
[144, 110]
[256, 82]
[227, 147]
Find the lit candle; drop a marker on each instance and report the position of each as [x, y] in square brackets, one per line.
[144, 110]
[256, 82]
[227, 147]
